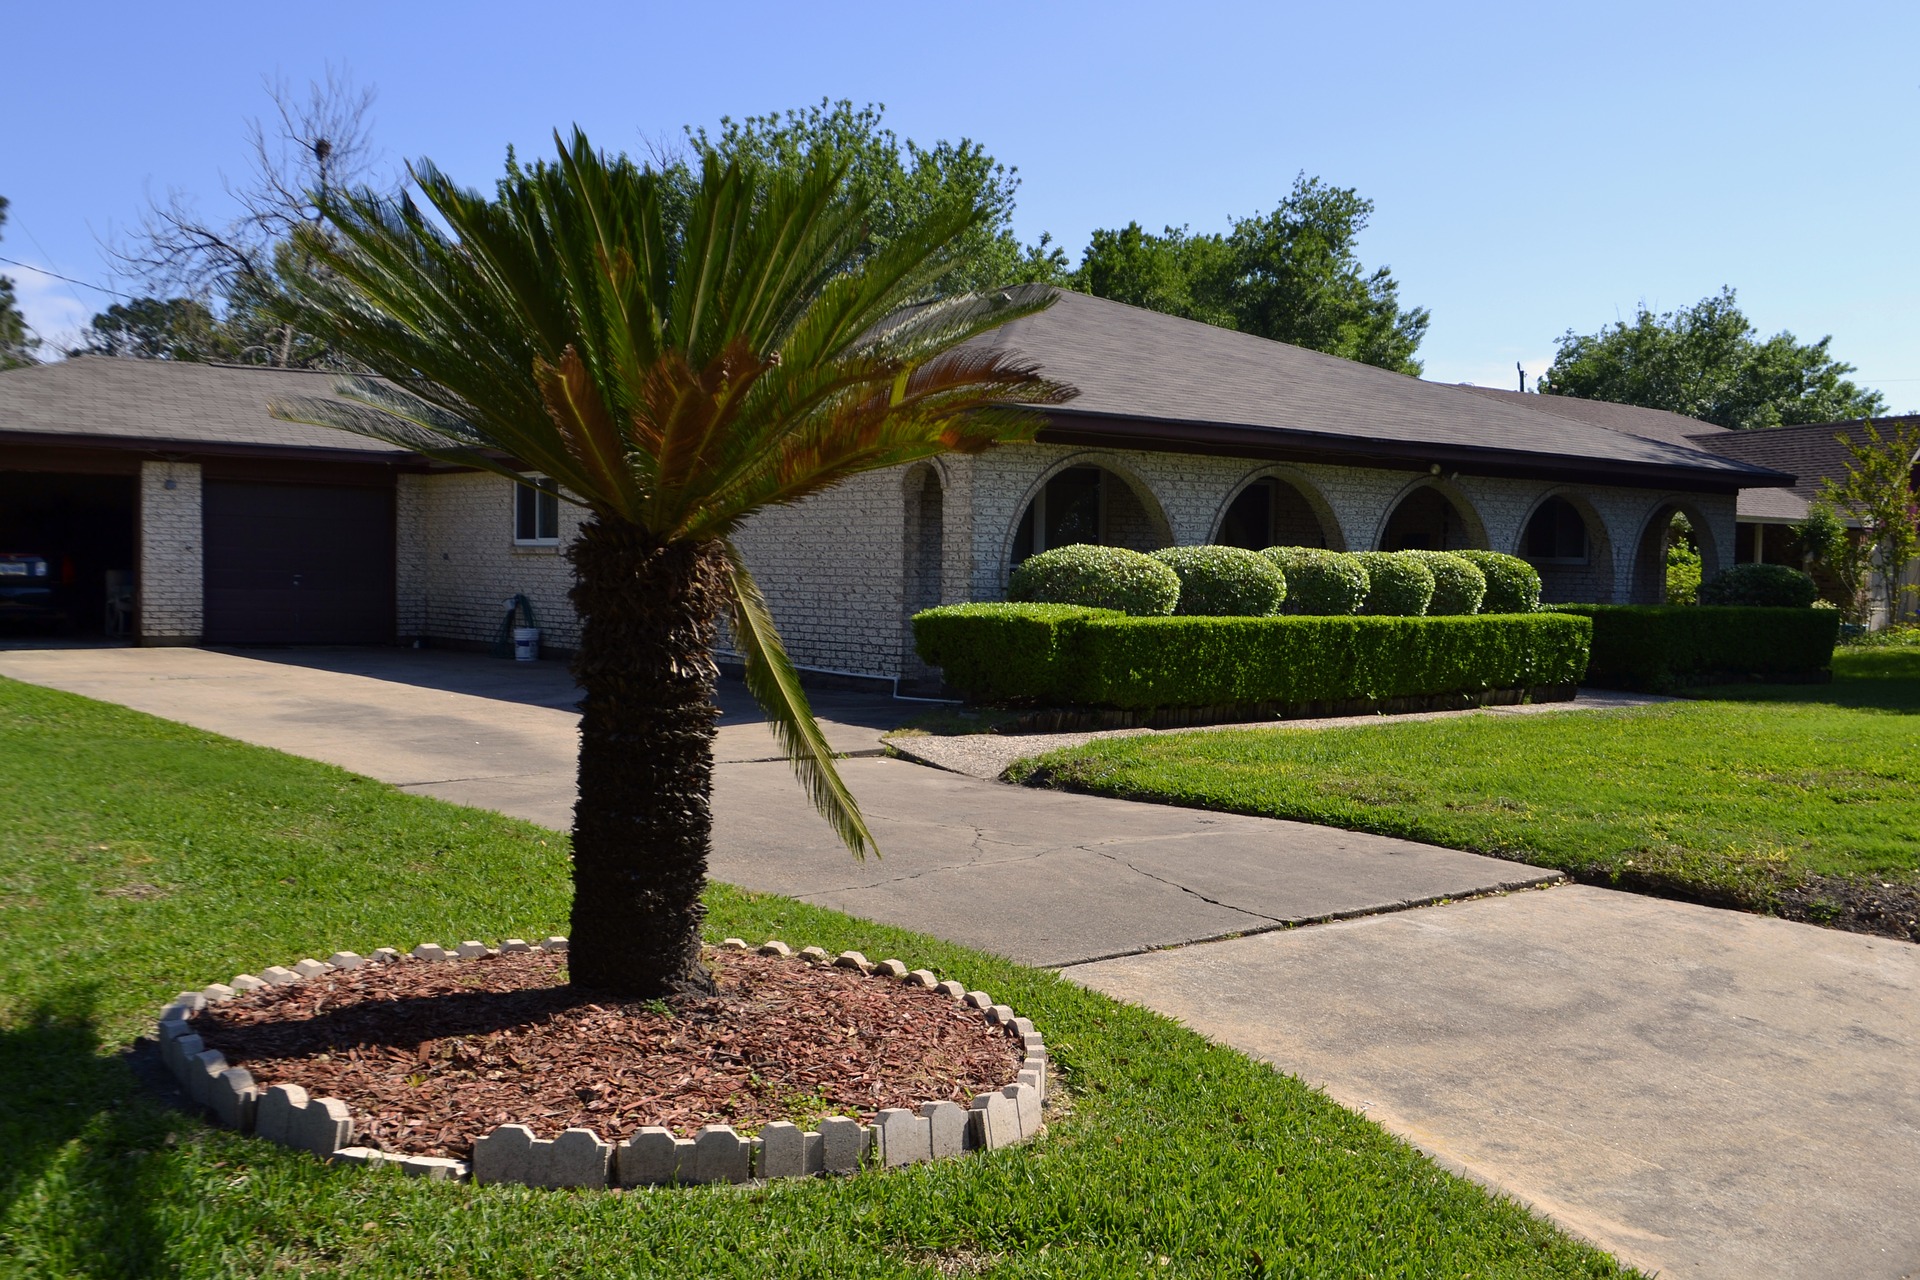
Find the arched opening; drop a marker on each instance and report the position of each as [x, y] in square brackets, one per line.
[1566, 542]
[924, 552]
[1671, 523]
[1428, 520]
[1270, 512]
[1087, 504]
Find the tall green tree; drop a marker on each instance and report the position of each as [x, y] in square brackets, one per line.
[1878, 492]
[156, 329]
[676, 364]
[1293, 275]
[1708, 362]
[901, 184]
[17, 341]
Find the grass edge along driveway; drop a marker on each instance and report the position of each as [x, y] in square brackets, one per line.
[1802, 801]
[139, 857]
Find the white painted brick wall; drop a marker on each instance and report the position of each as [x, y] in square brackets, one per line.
[171, 557]
[833, 566]
[411, 535]
[472, 565]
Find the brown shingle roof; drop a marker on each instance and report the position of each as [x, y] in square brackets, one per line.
[1174, 383]
[1648, 424]
[161, 403]
[1812, 453]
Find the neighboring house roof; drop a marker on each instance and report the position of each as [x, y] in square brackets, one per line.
[1814, 453]
[1156, 381]
[169, 405]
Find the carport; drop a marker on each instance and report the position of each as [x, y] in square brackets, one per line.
[172, 490]
[83, 524]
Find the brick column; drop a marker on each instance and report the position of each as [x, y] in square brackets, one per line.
[172, 570]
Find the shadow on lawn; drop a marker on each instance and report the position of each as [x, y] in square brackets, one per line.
[78, 1135]
[1883, 679]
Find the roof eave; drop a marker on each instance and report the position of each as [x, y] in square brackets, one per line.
[1229, 440]
[163, 446]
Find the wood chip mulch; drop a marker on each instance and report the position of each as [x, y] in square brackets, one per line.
[429, 1056]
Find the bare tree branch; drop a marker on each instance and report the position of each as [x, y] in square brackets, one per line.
[308, 146]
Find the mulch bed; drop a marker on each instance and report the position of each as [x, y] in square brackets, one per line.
[429, 1056]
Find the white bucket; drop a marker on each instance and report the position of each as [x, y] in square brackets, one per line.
[526, 644]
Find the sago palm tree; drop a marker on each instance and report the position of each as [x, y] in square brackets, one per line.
[675, 365]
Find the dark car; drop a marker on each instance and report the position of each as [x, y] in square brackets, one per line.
[26, 589]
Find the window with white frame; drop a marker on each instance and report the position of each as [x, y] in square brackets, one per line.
[536, 513]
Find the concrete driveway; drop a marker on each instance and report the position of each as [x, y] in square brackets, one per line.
[1702, 1092]
[1044, 879]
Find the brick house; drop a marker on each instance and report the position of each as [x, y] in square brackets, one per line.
[244, 530]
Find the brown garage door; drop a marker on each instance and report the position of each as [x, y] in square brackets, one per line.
[298, 564]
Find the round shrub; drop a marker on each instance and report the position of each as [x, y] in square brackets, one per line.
[1224, 582]
[1099, 577]
[1324, 583]
[1513, 585]
[1398, 585]
[1767, 585]
[1458, 585]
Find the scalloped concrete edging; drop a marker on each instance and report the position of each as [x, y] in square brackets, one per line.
[652, 1156]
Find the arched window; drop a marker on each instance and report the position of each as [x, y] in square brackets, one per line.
[1086, 504]
[1426, 521]
[1556, 534]
[1267, 513]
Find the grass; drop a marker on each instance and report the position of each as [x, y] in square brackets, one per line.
[140, 857]
[1732, 799]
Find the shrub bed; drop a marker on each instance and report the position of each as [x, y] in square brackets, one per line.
[1648, 646]
[1107, 660]
[1458, 584]
[1513, 585]
[1320, 582]
[1771, 586]
[1003, 652]
[1398, 585]
[1219, 582]
[1097, 577]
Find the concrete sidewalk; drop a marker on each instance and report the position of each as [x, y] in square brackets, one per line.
[1705, 1093]
[1041, 878]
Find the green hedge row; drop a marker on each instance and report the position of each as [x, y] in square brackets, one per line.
[1087, 657]
[1647, 646]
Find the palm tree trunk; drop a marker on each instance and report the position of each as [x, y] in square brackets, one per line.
[643, 821]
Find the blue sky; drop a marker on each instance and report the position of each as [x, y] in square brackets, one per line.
[1534, 167]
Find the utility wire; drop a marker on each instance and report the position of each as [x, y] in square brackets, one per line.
[15, 262]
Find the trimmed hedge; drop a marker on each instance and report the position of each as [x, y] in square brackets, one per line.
[1398, 585]
[1097, 578]
[1320, 582]
[1224, 582]
[1766, 586]
[1513, 585]
[1458, 585]
[1143, 663]
[1663, 646]
[1002, 652]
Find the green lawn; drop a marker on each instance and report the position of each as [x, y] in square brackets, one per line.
[1747, 797]
[140, 857]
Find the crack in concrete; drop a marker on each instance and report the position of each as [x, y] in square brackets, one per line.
[1331, 917]
[1175, 884]
[979, 838]
[482, 777]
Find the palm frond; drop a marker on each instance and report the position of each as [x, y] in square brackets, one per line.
[775, 685]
